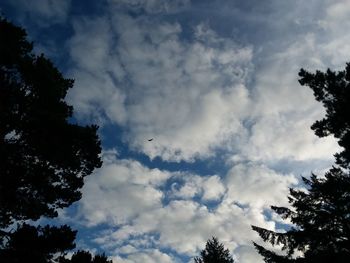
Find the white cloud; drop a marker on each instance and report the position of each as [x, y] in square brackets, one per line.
[283, 110]
[287, 136]
[96, 71]
[120, 191]
[148, 256]
[209, 188]
[130, 199]
[152, 6]
[96, 42]
[184, 226]
[258, 186]
[337, 10]
[189, 96]
[183, 100]
[52, 11]
[333, 39]
[247, 254]
[213, 188]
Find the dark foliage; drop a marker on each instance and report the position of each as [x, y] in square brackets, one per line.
[85, 257]
[321, 215]
[322, 219]
[214, 252]
[44, 157]
[37, 244]
[333, 90]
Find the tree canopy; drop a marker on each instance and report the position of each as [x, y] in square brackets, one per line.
[320, 215]
[37, 244]
[44, 155]
[82, 256]
[333, 90]
[214, 252]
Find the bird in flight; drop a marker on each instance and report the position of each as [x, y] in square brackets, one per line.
[150, 139]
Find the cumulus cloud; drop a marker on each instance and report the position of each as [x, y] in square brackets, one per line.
[49, 11]
[335, 11]
[185, 225]
[196, 91]
[193, 95]
[333, 38]
[258, 186]
[209, 188]
[283, 111]
[188, 95]
[94, 72]
[120, 191]
[148, 256]
[280, 136]
[152, 6]
[247, 254]
[131, 199]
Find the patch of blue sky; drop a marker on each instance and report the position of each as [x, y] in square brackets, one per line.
[112, 138]
[279, 225]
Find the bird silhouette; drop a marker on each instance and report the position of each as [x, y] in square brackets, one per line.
[150, 139]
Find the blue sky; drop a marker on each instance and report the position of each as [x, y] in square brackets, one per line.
[215, 84]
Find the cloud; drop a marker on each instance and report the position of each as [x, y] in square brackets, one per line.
[193, 94]
[188, 186]
[146, 219]
[148, 256]
[152, 6]
[286, 136]
[283, 111]
[120, 191]
[212, 188]
[333, 38]
[184, 226]
[190, 96]
[336, 11]
[247, 254]
[258, 186]
[198, 93]
[50, 11]
[95, 72]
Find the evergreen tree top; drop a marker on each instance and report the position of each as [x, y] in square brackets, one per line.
[214, 252]
[321, 214]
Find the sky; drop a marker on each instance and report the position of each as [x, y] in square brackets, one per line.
[214, 83]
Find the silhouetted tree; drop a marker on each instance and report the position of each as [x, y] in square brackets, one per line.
[214, 252]
[321, 215]
[85, 257]
[37, 244]
[333, 90]
[44, 157]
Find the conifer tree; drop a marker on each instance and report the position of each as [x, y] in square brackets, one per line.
[44, 156]
[82, 256]
[214, 252]
[37, 244]
[320, 215]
